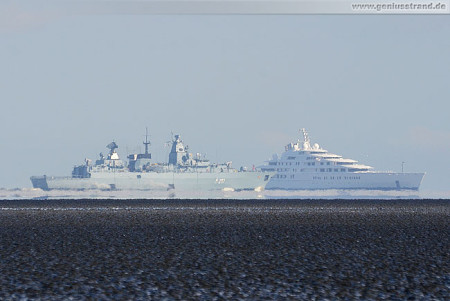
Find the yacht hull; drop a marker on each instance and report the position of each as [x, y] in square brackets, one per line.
[342, 180]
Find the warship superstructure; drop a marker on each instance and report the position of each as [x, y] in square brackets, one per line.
[182, 171]
[309, 167]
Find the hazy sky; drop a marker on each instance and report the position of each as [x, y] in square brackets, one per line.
[370, 88]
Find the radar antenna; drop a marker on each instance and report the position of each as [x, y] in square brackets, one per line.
[146, 142]
[112, 146]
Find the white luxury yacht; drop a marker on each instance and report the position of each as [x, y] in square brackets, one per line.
[305, 166]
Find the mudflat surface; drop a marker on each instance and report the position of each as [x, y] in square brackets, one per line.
[225, 249]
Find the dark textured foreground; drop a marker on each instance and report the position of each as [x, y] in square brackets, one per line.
[266, 249]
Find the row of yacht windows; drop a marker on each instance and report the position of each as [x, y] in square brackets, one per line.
[319, 169]
[332, 169]
[278, 176]
[309, 163]
[337, 178]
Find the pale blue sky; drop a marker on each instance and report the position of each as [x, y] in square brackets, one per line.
[371, 88]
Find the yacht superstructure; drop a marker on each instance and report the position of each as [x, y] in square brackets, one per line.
[308, 167]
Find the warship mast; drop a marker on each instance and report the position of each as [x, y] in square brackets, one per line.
[146, 142]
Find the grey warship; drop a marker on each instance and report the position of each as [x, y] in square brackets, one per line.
[183, 171]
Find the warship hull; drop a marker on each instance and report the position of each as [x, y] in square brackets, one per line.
[202, 181]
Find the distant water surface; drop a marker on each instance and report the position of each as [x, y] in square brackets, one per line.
[31, 193]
